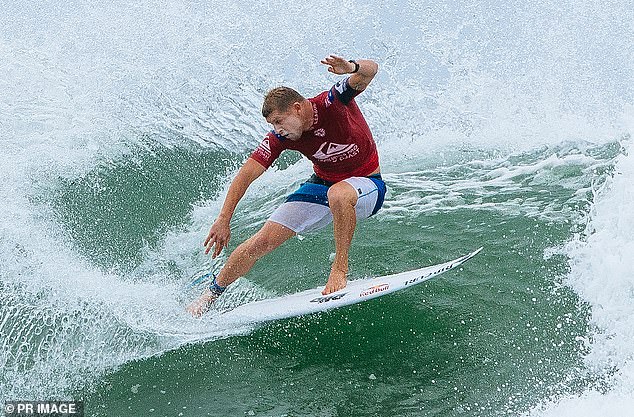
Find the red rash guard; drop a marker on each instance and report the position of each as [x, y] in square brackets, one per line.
[339, 143]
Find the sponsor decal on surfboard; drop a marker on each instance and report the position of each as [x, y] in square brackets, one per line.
[439, 271]
[422, 277]
[374, 289]
[327, 298]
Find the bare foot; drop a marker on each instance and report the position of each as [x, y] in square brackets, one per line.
[336, 281]
[202, 304]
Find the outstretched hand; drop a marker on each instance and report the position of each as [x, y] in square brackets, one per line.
[338, 65]
[218, 237]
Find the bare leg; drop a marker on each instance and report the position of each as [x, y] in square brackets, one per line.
[342, 198]
[242, 259]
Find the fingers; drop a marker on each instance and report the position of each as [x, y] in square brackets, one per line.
[333, 61]
[218, 246]
[209, 242]
[215, 241]
[218, 249]
[332, 58]
[208, 247]
[330, 65]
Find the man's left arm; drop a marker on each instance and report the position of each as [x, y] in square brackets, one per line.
[361, 75]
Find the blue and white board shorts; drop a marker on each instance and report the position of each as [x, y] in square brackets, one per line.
[307, 210]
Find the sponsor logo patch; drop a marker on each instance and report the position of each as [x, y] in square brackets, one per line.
[315, 114]
[341, 86]
[329, 98]
[265, 149]
[334, 152]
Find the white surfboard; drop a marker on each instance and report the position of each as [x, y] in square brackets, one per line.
[312, 301]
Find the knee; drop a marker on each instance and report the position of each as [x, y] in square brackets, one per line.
[258, 245]
[342, 195]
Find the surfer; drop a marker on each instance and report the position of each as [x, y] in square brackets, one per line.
[329, 130]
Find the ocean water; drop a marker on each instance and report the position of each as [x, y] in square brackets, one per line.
[507, 126]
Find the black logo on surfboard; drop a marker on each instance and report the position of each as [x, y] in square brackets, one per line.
[327, 298]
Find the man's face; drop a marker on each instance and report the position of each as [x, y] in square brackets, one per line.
[287, 124]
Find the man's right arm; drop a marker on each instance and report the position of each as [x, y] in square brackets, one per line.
[220, 231]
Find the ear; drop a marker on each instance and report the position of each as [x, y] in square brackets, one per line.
[297, 106]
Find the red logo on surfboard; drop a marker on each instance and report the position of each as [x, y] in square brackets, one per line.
[374, 290]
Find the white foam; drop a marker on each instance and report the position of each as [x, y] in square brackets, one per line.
[602, 274]
[479, 184]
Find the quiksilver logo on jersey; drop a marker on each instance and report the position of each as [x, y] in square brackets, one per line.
[334, 152]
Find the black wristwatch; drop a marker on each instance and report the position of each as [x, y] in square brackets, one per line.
[356, 66]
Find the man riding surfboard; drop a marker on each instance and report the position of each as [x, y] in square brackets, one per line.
[330, 130]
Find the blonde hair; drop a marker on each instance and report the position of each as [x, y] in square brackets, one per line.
[280, 99]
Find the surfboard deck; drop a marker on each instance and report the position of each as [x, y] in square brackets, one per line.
[312, 301]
